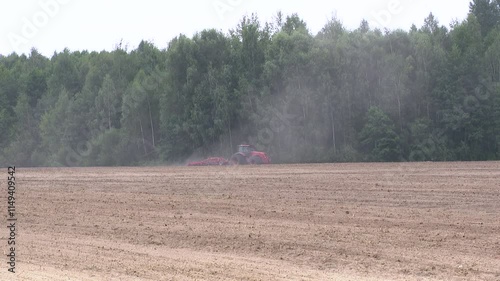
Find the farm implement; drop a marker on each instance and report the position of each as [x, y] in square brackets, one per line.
[246, 155]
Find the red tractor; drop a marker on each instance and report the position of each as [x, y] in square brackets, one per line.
[248, 154]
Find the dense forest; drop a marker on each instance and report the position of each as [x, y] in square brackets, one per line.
[427, 94]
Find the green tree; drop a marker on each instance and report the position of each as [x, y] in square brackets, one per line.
[139, 114]
[488, 14]
[53, 131]
[25, 139]
[378, 137]
[107, 102]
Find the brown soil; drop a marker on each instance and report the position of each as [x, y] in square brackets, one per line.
[427, 221]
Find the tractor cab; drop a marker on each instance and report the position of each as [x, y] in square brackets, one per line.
[246, 149]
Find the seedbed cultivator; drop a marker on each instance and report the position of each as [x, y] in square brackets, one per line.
[246, 155]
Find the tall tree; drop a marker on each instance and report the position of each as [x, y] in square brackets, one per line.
[107, 102]
[379, 139]
[487, 13]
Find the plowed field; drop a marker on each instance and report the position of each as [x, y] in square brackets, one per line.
[426, 221]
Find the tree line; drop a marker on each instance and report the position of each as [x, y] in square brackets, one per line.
[428, 94]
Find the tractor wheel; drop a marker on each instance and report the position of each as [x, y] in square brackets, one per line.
[255, 160]
[238, 159]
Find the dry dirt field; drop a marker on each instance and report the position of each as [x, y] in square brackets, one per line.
[426, 221]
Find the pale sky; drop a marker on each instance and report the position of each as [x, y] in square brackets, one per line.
[52, 25]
